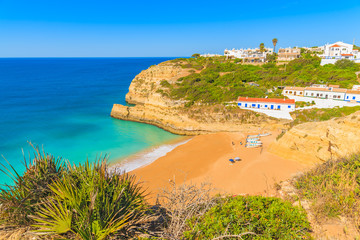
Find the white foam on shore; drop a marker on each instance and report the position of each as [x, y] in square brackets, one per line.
[144, 158]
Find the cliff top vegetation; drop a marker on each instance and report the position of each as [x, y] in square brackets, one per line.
[332, 189]
[218, 80]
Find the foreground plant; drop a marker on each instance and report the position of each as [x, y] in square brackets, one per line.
[24, 196]
[91, 203]
[333, 189]
[252, 217]
[182, 203]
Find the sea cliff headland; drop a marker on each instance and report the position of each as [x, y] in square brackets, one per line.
[154, 106]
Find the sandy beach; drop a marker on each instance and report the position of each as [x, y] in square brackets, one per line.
[205, 158]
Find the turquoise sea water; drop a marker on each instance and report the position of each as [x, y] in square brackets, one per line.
[64, 104]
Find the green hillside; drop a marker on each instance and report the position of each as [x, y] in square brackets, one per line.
[217, 80]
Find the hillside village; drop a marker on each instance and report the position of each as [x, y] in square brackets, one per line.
[319, 95]
[329, 53]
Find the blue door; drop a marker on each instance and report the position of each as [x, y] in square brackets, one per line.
[272, 106]
[245, 104]
[258, 105]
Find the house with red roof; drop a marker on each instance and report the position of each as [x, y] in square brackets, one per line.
[337, 51]
[281, 104]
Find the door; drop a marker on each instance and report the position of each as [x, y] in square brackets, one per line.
[258, 105]
[272, 106]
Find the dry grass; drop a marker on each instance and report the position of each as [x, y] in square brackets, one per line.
[181, 203]
[333, 189]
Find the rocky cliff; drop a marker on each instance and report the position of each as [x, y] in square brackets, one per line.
[154, 106]
[320, 141]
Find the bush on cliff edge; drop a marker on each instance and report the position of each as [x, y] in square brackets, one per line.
[251, 217]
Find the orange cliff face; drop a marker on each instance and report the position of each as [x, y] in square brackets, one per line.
[320, 141]
[158, 109]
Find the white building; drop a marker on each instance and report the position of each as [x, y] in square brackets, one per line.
[352, 96]
[210, 55]
[288, 54]
[267, 104]
[317, 50]
[294, 91]
[325, 93]
[356, 88]
[337, 51]
[249, 55]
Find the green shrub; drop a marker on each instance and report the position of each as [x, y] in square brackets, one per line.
[211, 85]
[264, 218]
[165, 83]
[23, 198]
[333, 189]
[323, 114]
[91, 203]
[346, 63]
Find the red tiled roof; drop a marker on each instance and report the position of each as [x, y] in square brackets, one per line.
[346, 54]
[335, 45]
[267, 100]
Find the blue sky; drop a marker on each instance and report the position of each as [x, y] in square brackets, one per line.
[117, 28]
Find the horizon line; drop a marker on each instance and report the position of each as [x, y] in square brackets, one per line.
[102, 57]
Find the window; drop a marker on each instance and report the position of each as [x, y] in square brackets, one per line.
[354, 98]
[339, 96]
[286, 91]
[312, 94]
[289, 106]
[239, 104]
[266, 106]
[300, 92]
[347, 97]
[290, 92]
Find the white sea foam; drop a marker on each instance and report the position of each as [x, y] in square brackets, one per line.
[145, 157]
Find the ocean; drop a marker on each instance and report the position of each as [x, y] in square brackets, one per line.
[63, 105]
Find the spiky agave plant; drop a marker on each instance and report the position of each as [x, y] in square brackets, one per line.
[22, 198]
[91, 203]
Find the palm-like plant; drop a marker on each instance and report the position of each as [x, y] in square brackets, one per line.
[24, 196]
[91, 203]
[274, 41]
[262, 47]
